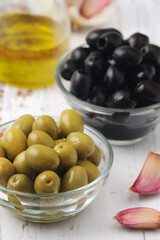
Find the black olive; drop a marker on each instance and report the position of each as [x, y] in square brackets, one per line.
[97, 101]
[111, 62]
[120, 99]
[93, 90]
[108, 41]
[147, 92]
[126, 55]
[92, 37]
[96, 67]
[157, 75]
[79, 54]
[125, 43]
[80, 83]
[151, 54]
[143, 72]
[99, 96]
[149, 71]
[138, 40]
[114, 78]
[68, 68]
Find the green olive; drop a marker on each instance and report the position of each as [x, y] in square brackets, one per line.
[47, 182]
[14, 142]
[91, 169]
[41, 158]
[6, 170]
[70, 121]
[74, 178]
[46, 124]
[20, 182]
[40, 137]
[59, 133]
[2, 152]
[57, 141]
[95, 158]
[21, 165]
[67, 154]
[82, 143]
[24, 123]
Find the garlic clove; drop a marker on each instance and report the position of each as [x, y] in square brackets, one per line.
[68, 3]
[139, 218]
[79, 21]
[148, 181]
[91, 8]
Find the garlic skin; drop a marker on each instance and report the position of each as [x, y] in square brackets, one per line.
[139, 218]
[148, 181]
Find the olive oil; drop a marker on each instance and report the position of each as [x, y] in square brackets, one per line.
[30, 47]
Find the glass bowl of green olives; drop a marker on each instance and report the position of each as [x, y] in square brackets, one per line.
[51, 168]
[114, 84]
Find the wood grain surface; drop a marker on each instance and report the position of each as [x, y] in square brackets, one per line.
[96, 221]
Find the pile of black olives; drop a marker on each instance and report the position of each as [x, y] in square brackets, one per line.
[39, 156]
[113, 72]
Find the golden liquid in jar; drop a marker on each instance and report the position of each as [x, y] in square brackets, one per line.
[30, 47]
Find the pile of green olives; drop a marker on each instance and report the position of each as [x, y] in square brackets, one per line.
[38, 155]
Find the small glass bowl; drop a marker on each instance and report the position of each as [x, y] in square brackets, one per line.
[59, 206]
[120, 126]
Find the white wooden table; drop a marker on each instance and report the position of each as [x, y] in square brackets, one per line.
[95, 222]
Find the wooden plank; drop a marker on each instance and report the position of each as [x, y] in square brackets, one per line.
[96, 221]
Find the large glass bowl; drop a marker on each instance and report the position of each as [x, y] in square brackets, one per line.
[120, 126]
[56, 207]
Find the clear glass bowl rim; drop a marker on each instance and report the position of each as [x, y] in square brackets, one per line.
[68, 193]
[89, 106]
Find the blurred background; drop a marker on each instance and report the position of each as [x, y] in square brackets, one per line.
[128, 16]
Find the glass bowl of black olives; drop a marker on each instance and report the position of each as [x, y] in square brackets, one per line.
[114, 83]
[44, 175]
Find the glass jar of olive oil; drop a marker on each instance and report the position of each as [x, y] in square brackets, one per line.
[34, 34]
